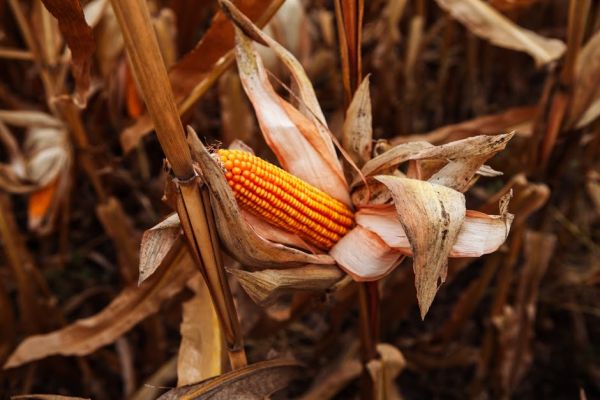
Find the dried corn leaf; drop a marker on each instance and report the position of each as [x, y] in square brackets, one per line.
[264, 287]
[201, 348]
[468, 156]
[29, 119]
[255, 382]
[586, 91]
[79, 38]
[299, 146]
[239, 238]
[432, 216]
[130, 307]
[357, 132]
[487, 23]
[518, 119]
[309, 106]
[158, 242]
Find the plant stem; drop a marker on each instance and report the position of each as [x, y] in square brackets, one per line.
[194, 213]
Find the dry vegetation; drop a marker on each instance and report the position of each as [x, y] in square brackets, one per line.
[464, 134]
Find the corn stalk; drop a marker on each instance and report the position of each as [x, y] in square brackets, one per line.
[192, 207]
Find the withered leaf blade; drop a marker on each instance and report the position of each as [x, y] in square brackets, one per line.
[384, 371]
[130, 307]
[264, 287]
[80, 39]
[487, 23]
[239, 238]
[29, 118]
[201, 348]
[432, 216]
[158, 242]
[256, 381]
[357, 132]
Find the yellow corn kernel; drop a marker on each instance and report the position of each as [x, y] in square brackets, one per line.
[284, 200]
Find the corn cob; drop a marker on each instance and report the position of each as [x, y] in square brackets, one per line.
[284, 200]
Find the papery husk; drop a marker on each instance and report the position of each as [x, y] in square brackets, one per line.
[487, 23]
[432, 216]
[357, 132]
[364, 255]
[240, 239]
[480, 233]
[299, 145]
[264, 287]
[468, 154]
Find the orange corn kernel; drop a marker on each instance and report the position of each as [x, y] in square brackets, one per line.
[284, 200]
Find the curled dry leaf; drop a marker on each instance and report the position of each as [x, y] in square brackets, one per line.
[79, 38]
[255, 382]
[432, 216]
[264, 287]
[300, 146]
[240, 239]
[468, 155]
[487, 23]
[201, 348]
[357, 132]
[130, 307]
[158, 242]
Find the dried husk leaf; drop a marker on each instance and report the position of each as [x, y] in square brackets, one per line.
[310, 107]
[487, 23]
[240, 239]
[432, 216]
[274, 234]
[468, 154]
[201, 348]
[264, 287]
[158, 242]
[254, 382]
[80, 39]
[357, 132]
[29, 119]
[130, 307]
[364, 255]
[480, 233]
[586, 90]
[296, 141]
